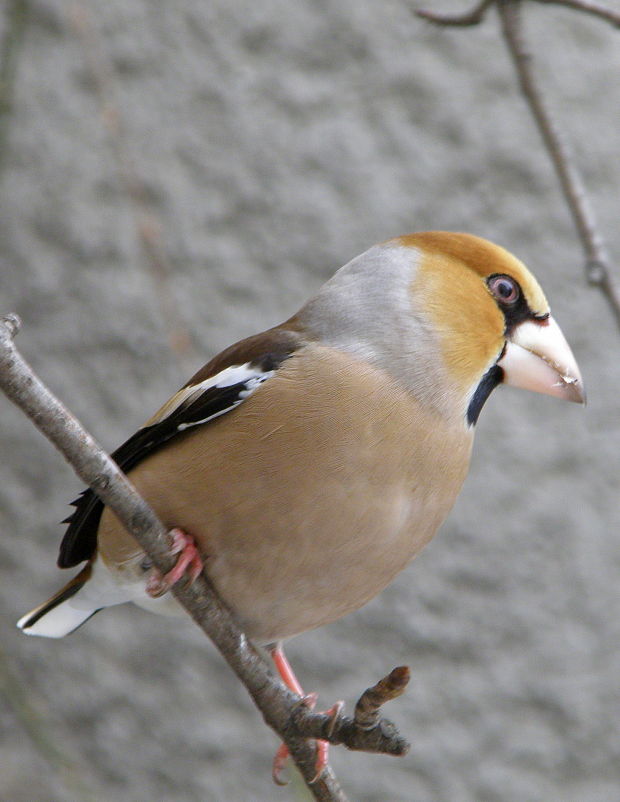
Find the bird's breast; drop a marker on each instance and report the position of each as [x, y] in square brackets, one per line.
[309, 497]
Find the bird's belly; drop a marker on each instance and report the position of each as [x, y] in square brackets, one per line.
[303, 518]
[302, 559]
[325, 568]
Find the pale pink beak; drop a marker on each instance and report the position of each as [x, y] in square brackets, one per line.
[537, 357]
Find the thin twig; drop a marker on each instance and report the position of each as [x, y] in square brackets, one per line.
[476, 15]
[281, 709]
[370, 702]
[348, 732]
[367, 730]
[473, 17]
[596, 9]
[597, 264]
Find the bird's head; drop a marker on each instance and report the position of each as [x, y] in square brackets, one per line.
[491, 319]
[448, 316]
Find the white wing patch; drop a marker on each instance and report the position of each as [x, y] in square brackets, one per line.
[247, 377]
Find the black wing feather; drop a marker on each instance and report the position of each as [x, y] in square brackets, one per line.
[80, 539]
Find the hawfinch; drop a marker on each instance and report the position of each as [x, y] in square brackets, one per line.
[304, 467]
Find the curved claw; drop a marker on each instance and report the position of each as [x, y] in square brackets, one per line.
[322, 747]
[309, 700]
[322, 758]
[334, 712]
[279, 760]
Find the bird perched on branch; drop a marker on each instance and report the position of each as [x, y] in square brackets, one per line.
[304, 467]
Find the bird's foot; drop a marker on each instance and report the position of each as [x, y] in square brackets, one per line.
[287, 674]
[322, 747]
[188, 561]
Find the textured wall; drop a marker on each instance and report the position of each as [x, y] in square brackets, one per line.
[255, 147]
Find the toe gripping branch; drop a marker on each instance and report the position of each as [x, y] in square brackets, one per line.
[188, 562]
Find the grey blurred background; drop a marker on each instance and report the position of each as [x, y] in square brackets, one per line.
[175, 176]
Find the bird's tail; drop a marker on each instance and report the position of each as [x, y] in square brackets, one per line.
[63, 613]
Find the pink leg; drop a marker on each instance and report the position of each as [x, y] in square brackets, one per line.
[284, 669]
[188, 561]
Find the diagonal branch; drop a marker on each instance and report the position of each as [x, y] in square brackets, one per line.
[597, 261]
[367, 730]
[281, 709]
[597, 266]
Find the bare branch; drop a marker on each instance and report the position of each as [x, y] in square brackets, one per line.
[366, 731]
[476, 15]
[282, 710]
[473, 17]
[597, 262]
[370, 702]
[382, 737]
[597, 266]
[596, 9]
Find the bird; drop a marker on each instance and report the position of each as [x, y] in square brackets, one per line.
[304, 467]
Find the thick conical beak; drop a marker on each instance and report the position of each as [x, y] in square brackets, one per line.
[537, 357]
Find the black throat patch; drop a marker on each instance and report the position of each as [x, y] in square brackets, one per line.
[488, 383]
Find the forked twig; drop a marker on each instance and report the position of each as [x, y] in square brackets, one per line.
[370, 702]
[367, 725]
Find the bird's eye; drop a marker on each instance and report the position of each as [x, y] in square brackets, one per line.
[504, 288]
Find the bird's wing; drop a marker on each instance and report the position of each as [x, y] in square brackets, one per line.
[220, 386]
